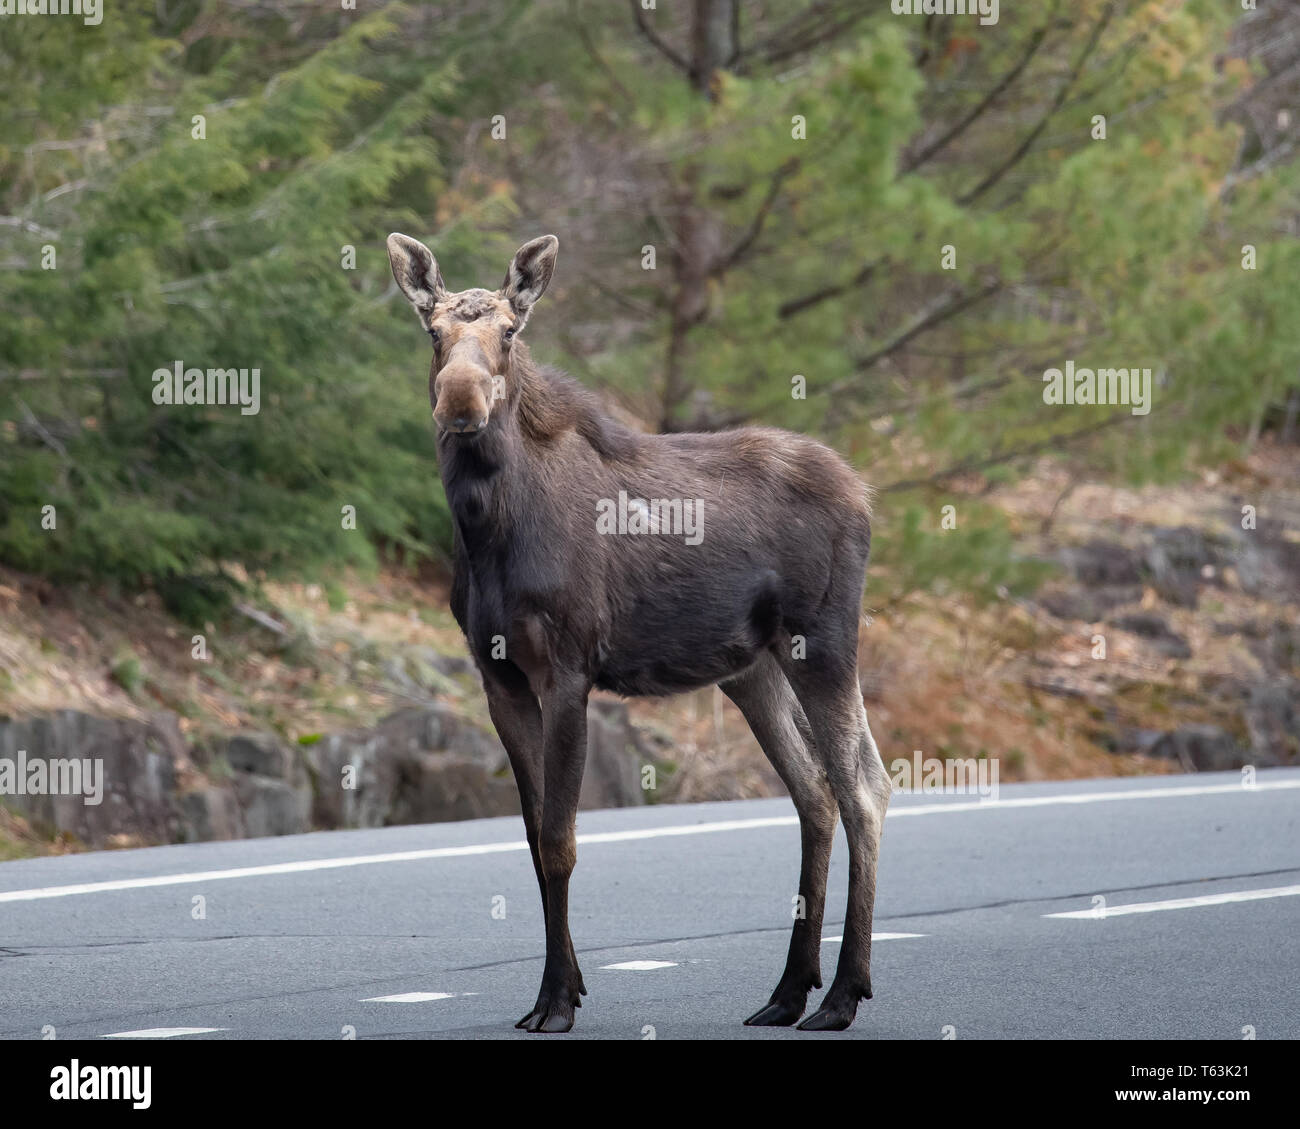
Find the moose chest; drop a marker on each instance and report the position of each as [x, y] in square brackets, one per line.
[514, 612]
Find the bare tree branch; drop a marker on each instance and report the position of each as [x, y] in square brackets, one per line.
[1018, 154]
[732, 257]
[999, 88]
[677, 60]
[955, 304]
[973, 463]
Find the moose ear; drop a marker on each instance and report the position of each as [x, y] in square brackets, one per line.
[416, 270]
[530, 272]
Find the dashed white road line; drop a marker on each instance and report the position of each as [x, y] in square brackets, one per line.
[877, 937]
[163, 1032]
[639, 965]
[1101, 913]
[307, 865]
[415, 997]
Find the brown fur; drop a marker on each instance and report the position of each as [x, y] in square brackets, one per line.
[766, 604]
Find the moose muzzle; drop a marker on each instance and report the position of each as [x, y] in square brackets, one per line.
[462, 394]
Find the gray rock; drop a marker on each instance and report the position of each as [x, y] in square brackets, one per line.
[1136, 740]
[271, 807]
[1273, 721]
[259, 753]
[1102, 562]
[612, 778]
[209, 813]
[1156, 630]
[135, 761]
[435, 787]
[1089, 604]
[418, 765]
[1201, 748]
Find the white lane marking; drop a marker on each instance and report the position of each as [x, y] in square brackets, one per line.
[1181, 903]
[162, 1032]
[1096, 797]
[639, 965]
[410, 998]
[306, 865]
[876, 937]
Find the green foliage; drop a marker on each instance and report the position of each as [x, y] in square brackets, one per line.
[822, 257]
[978, 556]
[220, 250]
[128, 673]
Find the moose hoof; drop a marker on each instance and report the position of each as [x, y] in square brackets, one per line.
[829, 1019]
[779, 1013]
[553, 1020]
[551, 1015]
[838, 1010]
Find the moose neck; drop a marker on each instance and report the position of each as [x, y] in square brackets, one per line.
[481, 477]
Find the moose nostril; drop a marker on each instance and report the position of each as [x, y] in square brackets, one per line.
[460, 423]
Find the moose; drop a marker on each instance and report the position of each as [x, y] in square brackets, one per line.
[765, 603]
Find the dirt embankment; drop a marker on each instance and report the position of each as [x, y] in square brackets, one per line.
[1167, 639]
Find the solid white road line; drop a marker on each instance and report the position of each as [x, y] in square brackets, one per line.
[306, 865]
[639, 965]
[1098, 914]
[1098, 797]
[163, 1032]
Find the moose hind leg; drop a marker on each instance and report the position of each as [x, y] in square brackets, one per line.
[773, 712]
[843, 741]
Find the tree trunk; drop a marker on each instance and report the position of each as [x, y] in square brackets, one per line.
[713, 40]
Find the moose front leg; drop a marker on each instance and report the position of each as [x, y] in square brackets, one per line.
[518, 723]
[564, 740]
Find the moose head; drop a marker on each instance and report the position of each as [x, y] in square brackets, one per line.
[472, 331]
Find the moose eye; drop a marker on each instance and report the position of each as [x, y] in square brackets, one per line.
[509, 335]
[434, 335]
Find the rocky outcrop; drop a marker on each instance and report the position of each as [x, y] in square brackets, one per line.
[416, 766]
[135, 764]
[1199, 625]
[421, 765]
[1199, 748]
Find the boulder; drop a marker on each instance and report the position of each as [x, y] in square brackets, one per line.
[209, 813]
[1098, 562]
[135, 761]
[1273, 720]
[1181, 559]
[259, 753]
[419, 765]
[1201, 748]
[1088, 604]
[271, 807]
[1155, 630]
[612, 778]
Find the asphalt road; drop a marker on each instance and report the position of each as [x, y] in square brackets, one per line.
[342, 937]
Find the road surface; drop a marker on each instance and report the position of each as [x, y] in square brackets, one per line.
[681, 915]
